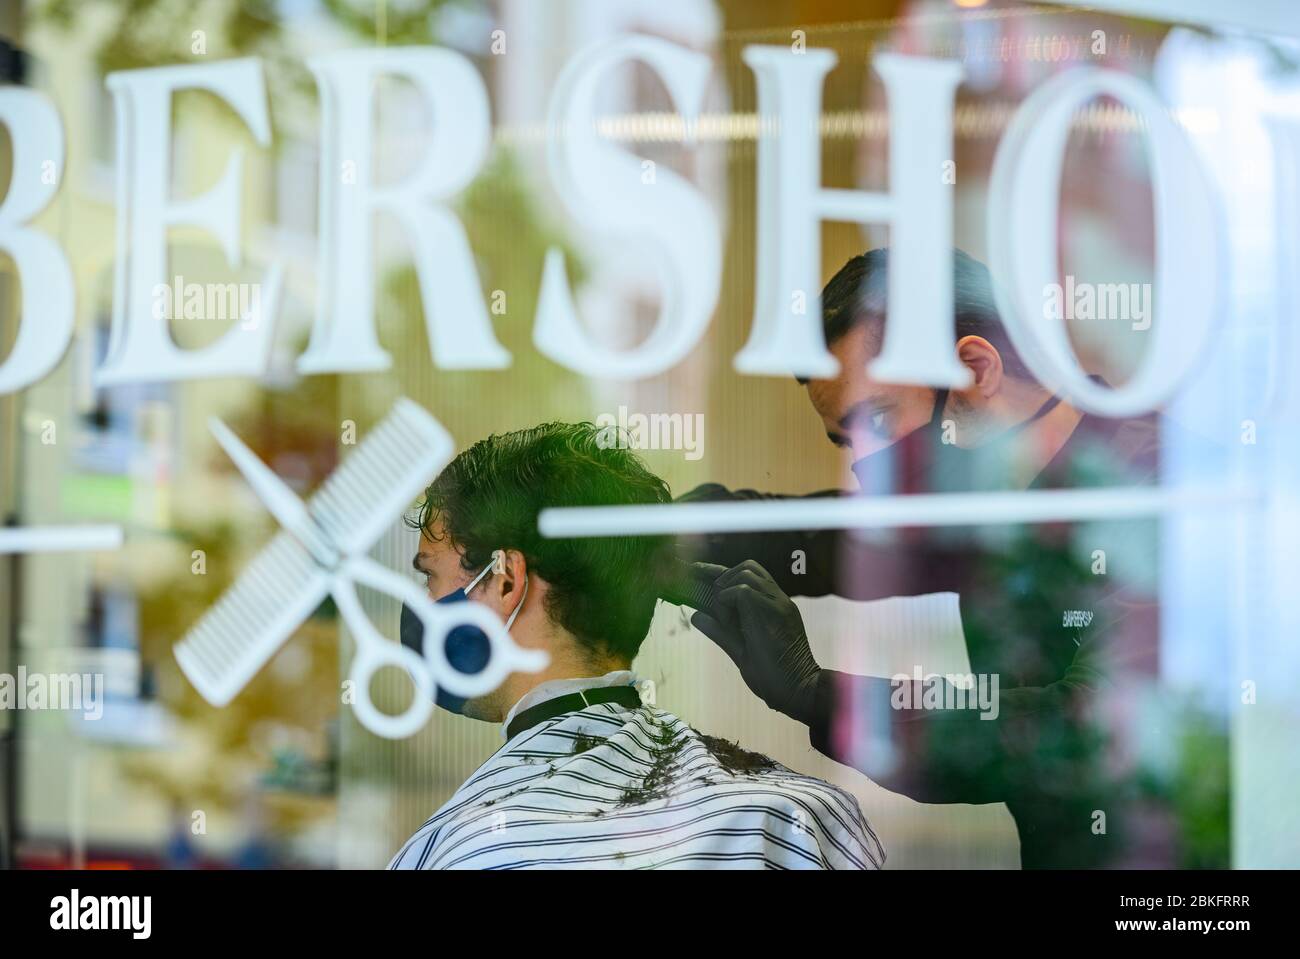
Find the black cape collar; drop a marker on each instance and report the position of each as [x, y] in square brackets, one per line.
[572, 703]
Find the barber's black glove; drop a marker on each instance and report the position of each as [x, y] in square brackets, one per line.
[760, 628]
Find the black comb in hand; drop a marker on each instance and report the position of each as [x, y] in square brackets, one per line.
[689, 584]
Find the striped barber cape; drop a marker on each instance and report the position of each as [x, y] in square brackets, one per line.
[613, 787]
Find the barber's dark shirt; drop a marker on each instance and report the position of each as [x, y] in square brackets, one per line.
[1042, 607]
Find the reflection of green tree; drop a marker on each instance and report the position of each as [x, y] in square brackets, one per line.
[1025, 587]
[509, 235]
[296, 432]
[1065, 766]
[1055, 768]
[406, 22]
[148, 33]
[1196, 786]
[152, 32]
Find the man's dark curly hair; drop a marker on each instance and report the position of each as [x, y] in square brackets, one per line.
[603, 589]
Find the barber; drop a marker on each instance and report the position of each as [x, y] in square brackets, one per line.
[1004, 431]
[985, 759]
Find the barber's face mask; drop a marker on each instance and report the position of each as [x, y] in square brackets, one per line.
[927, 435]
[468, 647]
[944, 465]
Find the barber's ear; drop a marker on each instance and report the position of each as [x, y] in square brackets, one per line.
[985, 363]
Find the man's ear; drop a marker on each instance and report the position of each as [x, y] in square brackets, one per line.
[510, 571]
[985, 363]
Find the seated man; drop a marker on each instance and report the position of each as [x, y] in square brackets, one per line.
[589, 776]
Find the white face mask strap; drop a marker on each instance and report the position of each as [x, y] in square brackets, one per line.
[515, 612]
[483, 572]
[498, 555]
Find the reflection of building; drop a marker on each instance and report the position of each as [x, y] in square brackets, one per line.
[139, 456]
[11, 71]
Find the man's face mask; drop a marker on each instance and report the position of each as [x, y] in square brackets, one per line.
[468, 647]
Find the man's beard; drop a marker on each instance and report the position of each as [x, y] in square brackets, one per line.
[486, 708]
